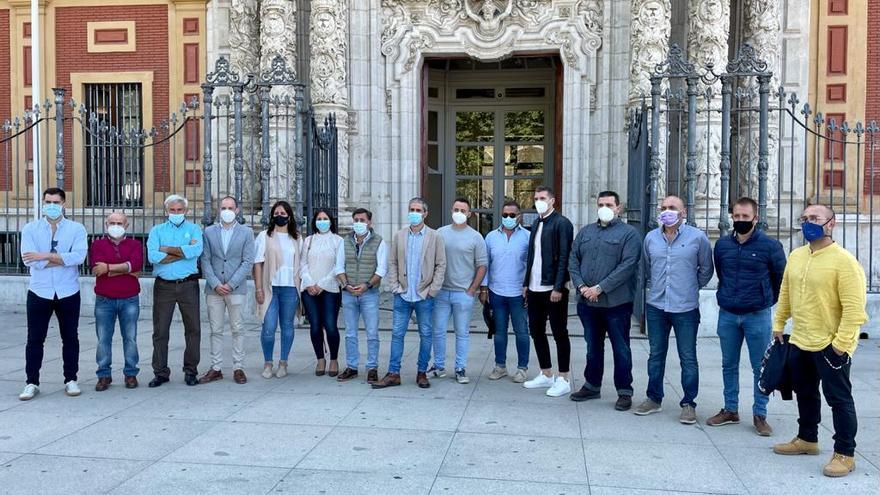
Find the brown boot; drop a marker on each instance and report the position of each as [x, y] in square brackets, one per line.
[103, 384]
[422, 380]
[796, 447]
[762, 428]
[210, 376]
[372, 376]
[347, 374]
[389, 380]
[239, 377]
[840, 465]
[131, 382]
[724, 417]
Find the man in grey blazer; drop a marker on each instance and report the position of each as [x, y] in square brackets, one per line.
[226, 261]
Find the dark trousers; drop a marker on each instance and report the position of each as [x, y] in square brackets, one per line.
[808, 370]
[540, 310]
[614, 322]
[323, 311]
[39, 312]
[186, 296]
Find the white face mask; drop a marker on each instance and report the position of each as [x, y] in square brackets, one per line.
[542, 206]
[459, 218]
[116, 231]
[606, 214]
[227, 216]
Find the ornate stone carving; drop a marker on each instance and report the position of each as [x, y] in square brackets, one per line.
[277, 32]
[649, 41]
[244, 35]
[592, 12]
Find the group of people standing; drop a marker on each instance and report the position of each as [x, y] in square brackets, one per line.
[522, 276]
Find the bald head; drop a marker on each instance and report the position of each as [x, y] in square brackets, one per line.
[672, 202]
[819, 211]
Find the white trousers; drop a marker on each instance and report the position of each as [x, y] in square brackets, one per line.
[218, 307]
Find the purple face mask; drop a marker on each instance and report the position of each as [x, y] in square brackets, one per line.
[668, 218]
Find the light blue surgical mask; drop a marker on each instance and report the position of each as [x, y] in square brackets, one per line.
[359, 228]
[176, 218]
[52, 210]
[322, 225]
[414, 218]
[508, 223]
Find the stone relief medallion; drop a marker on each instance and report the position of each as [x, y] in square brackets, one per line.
[325, 23]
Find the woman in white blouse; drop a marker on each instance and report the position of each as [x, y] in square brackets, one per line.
[323, 259]
[276, 278]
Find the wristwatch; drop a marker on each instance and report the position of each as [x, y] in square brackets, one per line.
[369, 286]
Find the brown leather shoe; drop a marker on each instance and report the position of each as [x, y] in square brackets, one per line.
[422, 380]
[210, 376]
[762, 428]
[103, 384]
[389, 380]
[372, 376]
[724, 417]
[131, 382]
[346, 375]
[239, 377]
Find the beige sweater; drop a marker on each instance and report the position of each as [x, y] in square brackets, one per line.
[274, 260]
[433, 265]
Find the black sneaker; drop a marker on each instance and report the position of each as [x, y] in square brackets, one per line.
[584, 394]
[624, 403]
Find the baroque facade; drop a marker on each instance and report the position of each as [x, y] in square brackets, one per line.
[370, 62]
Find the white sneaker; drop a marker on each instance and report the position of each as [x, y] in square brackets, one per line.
[30, 390]
[540, 381]
[560, 387]
[267, 371]
[281, 372]
[520, 376]
[71, 388]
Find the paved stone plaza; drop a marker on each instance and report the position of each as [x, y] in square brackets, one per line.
[307, 434]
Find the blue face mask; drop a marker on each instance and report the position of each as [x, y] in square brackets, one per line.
[51, 210]
[414, 218]
[322, 225]
[176, 218]
[813, 231]
[508, 223]
[360, 228]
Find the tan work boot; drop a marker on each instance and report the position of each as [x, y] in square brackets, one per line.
[797, 447]
[840, 465]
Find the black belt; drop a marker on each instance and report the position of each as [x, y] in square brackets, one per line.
[192, 277]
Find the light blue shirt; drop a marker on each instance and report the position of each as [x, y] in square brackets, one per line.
[69, 242]
[508, 258]
[677, 270]
[414, 243]
[168, 234]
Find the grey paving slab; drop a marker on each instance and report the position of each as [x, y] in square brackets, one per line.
[441, 388]
[9, 390]
[614, 490]
[377, 411]
[323, 409]
[520, 458]
[46, 474]
[473, 486]
[172, 478]
[379, 450]
[8, 456]
[871, 456]
[502, 390]
[553, 419]
[660, 466]
[743, 435]
[191, 403]
[300, 481]
[600, 422]
[89, 403]
[127, 438]
[249, 444]
[306, 384]
[772, 474]
[25, 431]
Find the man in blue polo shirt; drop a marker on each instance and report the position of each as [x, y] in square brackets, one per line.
[173, 248]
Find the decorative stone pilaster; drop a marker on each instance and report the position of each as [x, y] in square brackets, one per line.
[708, 27]
[328, 80]
[244, 35]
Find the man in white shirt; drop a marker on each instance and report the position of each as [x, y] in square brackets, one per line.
[52, 248]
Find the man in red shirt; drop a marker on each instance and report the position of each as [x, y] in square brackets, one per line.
[116, 262]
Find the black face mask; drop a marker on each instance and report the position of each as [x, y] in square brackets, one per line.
[743, 227]
[281, 221]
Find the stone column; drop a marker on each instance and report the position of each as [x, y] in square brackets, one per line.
[649, 40]
[278, 38]
[708, 27]
[328, 80]
[761, 29]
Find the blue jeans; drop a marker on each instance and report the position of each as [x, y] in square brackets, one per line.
[659, 325]
[615, 322]
[282, 310]
[353, 308]
[755, 328]
[460, 306]
[424, 317]
[512, 309]
[107, 310]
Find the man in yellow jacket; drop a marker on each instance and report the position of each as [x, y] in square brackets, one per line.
[824, 293]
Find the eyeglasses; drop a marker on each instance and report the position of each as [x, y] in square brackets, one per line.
[814, 219]
[508, 215]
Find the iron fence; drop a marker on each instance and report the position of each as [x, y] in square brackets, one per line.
[712, 136]
[251, 137]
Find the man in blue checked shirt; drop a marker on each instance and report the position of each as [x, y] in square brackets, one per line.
[678, 263]
[174, 248]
